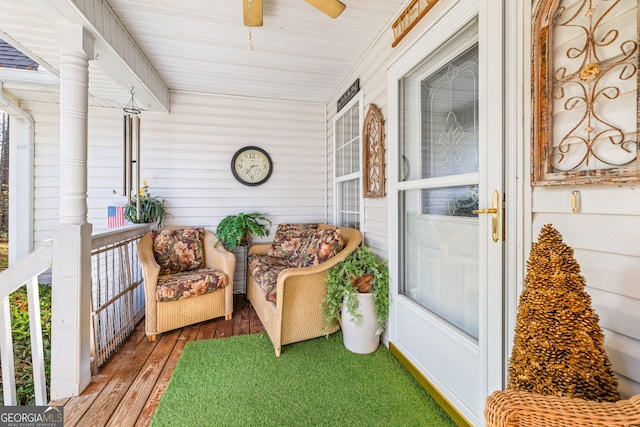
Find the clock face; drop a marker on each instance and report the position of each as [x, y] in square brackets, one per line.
[251, 165]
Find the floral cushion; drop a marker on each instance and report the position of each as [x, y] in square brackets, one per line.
[265, 270]
[314, 248]
[179, 250]
[318, 247]
[289, 238]
[173, 287]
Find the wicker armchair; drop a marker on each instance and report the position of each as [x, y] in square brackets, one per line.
[162, 316]
[296, 315]
[521, 408]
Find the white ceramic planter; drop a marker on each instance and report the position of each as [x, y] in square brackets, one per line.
[362, 337]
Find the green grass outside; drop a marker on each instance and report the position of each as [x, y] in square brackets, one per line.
[22, 336]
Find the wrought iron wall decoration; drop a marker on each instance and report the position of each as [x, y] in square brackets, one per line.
[585, 92]
[373, 153]
[131, 152]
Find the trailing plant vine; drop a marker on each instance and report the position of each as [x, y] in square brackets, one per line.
[340, 287]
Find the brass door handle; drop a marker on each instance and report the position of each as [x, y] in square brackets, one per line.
[495, 215]
[485, 211]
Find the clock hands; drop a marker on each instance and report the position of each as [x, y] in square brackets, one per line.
[251, 165]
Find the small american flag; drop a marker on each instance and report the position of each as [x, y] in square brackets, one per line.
[115, 216]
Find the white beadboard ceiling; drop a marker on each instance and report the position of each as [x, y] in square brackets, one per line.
[202, 46]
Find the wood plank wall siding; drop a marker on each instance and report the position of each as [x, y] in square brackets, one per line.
[186, 157]
[605, 232]
[604, 236]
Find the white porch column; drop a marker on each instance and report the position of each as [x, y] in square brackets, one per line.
[21, 153]
[71, 271]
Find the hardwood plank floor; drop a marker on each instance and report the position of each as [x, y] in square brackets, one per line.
[127, 389]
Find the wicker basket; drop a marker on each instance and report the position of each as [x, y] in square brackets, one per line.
[521, 408]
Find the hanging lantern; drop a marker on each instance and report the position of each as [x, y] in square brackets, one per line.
[131, 152]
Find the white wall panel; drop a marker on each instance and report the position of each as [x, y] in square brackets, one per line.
[186, 157]
[624, 354]
[604, 236]
[604, 233]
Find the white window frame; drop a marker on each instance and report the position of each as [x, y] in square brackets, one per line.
[357, 175]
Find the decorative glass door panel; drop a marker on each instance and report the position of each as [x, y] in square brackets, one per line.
[447, 137]
[439, 152]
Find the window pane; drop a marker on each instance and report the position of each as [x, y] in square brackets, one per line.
[450, 105]
[440, 119]
[347, 143]
[439, 243]
[450, 201]
[355, 155]
[347, 135]
[339, 161]
[440, 265]
[350, 203]
[355, 122]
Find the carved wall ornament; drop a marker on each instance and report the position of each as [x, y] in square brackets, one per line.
[373, 153]
[409, 17]
[585, 93]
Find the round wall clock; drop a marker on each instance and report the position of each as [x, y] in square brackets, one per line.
[251, 165]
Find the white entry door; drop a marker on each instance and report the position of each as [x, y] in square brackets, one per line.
[447, 300]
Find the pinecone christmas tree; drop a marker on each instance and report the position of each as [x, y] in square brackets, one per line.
[558, 346]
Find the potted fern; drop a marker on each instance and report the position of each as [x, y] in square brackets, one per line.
[358, 297]
[234, 230]
[152, 208]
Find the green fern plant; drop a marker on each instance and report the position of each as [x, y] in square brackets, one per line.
[152, 209]
[236, 229]
[340, 286]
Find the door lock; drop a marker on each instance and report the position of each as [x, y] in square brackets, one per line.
[495, 215]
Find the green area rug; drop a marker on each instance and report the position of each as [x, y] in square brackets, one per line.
[239, 381]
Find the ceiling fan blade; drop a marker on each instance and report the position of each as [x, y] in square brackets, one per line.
[333, 8]
[252, 13]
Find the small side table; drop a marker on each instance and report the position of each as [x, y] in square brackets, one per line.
[240, 274]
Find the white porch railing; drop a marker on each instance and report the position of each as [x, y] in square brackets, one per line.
[117, 301]
[25, 271]
[117, 293]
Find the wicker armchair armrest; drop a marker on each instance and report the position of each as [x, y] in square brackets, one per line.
[521, 408]
[216, 256]
[150, 268]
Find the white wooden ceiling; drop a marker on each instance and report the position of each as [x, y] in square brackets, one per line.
[202, 46]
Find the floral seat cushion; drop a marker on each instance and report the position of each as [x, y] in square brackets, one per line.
[265, 270]
[179, 250]
[317, 247]
[173, 287]
[302, 245]
[289, 238]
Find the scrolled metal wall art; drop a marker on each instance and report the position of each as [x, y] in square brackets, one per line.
[373, 153]
[585, 92]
